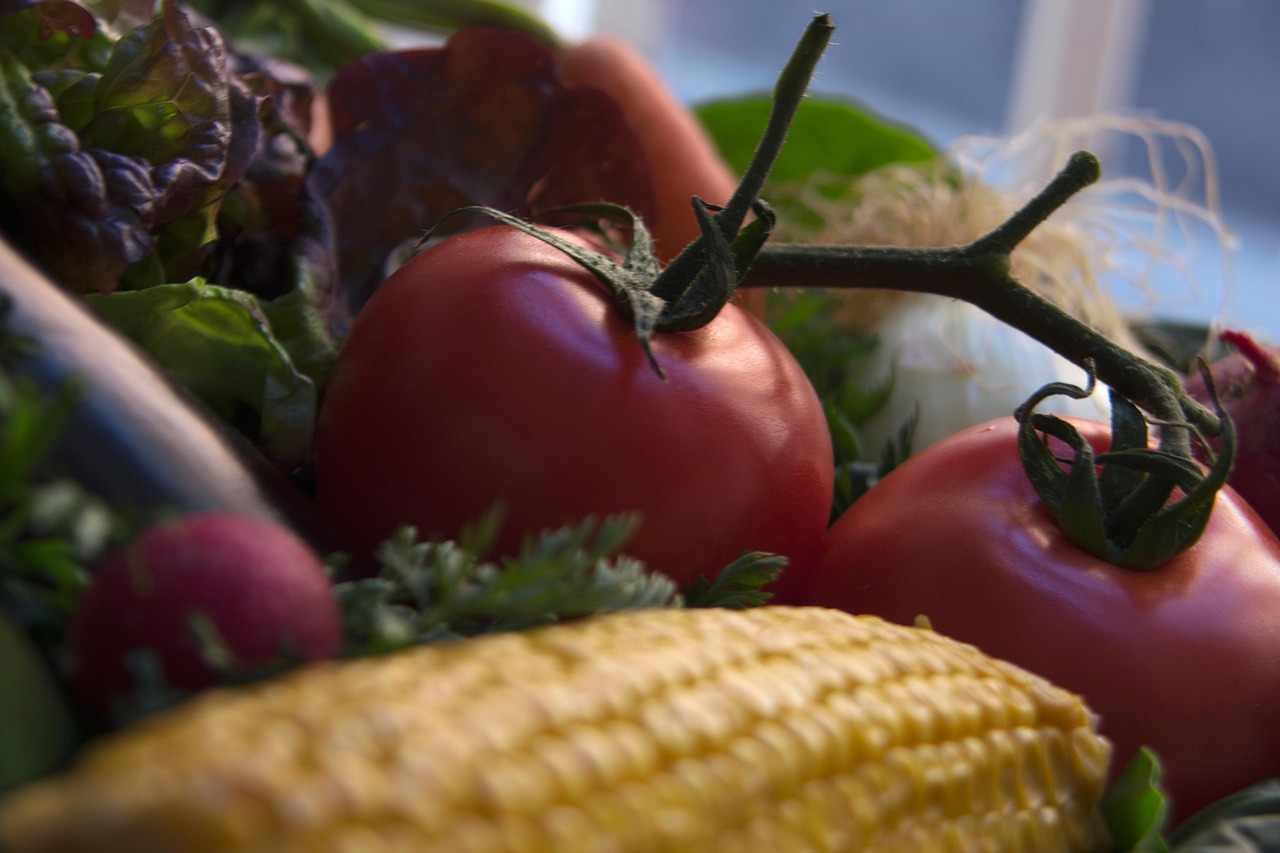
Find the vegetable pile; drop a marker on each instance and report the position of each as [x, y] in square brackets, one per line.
[311, 348]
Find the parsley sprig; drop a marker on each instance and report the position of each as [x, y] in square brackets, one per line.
[429, 591]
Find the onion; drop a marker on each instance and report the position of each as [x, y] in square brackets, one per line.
[953, 365]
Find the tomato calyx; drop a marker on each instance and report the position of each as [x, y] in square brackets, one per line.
[1116, 504]
[633, 279]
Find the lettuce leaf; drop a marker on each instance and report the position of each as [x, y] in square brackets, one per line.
[222, 344]
[829, 135]
[156, 137]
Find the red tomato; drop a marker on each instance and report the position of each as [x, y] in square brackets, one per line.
[1184, 658]
[491, 366]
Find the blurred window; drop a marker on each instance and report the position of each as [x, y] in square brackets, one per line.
[996, 66]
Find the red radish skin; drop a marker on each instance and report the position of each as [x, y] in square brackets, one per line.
[1248, 386]
[263, 588]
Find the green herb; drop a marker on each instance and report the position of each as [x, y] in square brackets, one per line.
[50, 528]
[1135, 807]
[432, 591]
[739, 585]
[428, 591]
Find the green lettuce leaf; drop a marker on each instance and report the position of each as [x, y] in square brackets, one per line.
[233, 352]
[836, 137]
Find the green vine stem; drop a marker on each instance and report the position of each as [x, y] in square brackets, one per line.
[788, 93]
[1124, 514]
[1125, 518]
[980, 273]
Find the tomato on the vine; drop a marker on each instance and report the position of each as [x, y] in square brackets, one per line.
[492, 367]
[1183, 658]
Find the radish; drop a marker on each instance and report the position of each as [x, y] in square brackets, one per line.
[1248, 385]
[261, 587]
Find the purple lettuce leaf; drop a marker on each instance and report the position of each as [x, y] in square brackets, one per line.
[164, 131]
[484, 119]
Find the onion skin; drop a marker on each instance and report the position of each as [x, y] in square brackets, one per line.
[1248, 386]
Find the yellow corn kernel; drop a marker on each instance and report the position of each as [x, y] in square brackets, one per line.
[774, 729]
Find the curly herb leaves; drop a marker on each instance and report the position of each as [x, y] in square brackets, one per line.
[431, 591]
[739, 585]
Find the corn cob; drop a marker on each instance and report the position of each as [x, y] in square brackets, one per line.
[773, 729]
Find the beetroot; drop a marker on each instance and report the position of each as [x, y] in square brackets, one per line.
[1248, 385]
[262, 588]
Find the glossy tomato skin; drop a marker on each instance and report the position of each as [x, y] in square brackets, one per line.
[491, 366]
[1184, 659]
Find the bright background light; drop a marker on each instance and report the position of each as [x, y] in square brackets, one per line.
[997, 66]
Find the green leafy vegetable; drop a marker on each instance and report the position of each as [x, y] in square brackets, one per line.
[429, 591]
[221, 344]
[49, 34]
[835, 137]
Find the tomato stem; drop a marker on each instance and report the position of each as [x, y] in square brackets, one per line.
[980, 273]
[789, 91]
[1124, 514]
